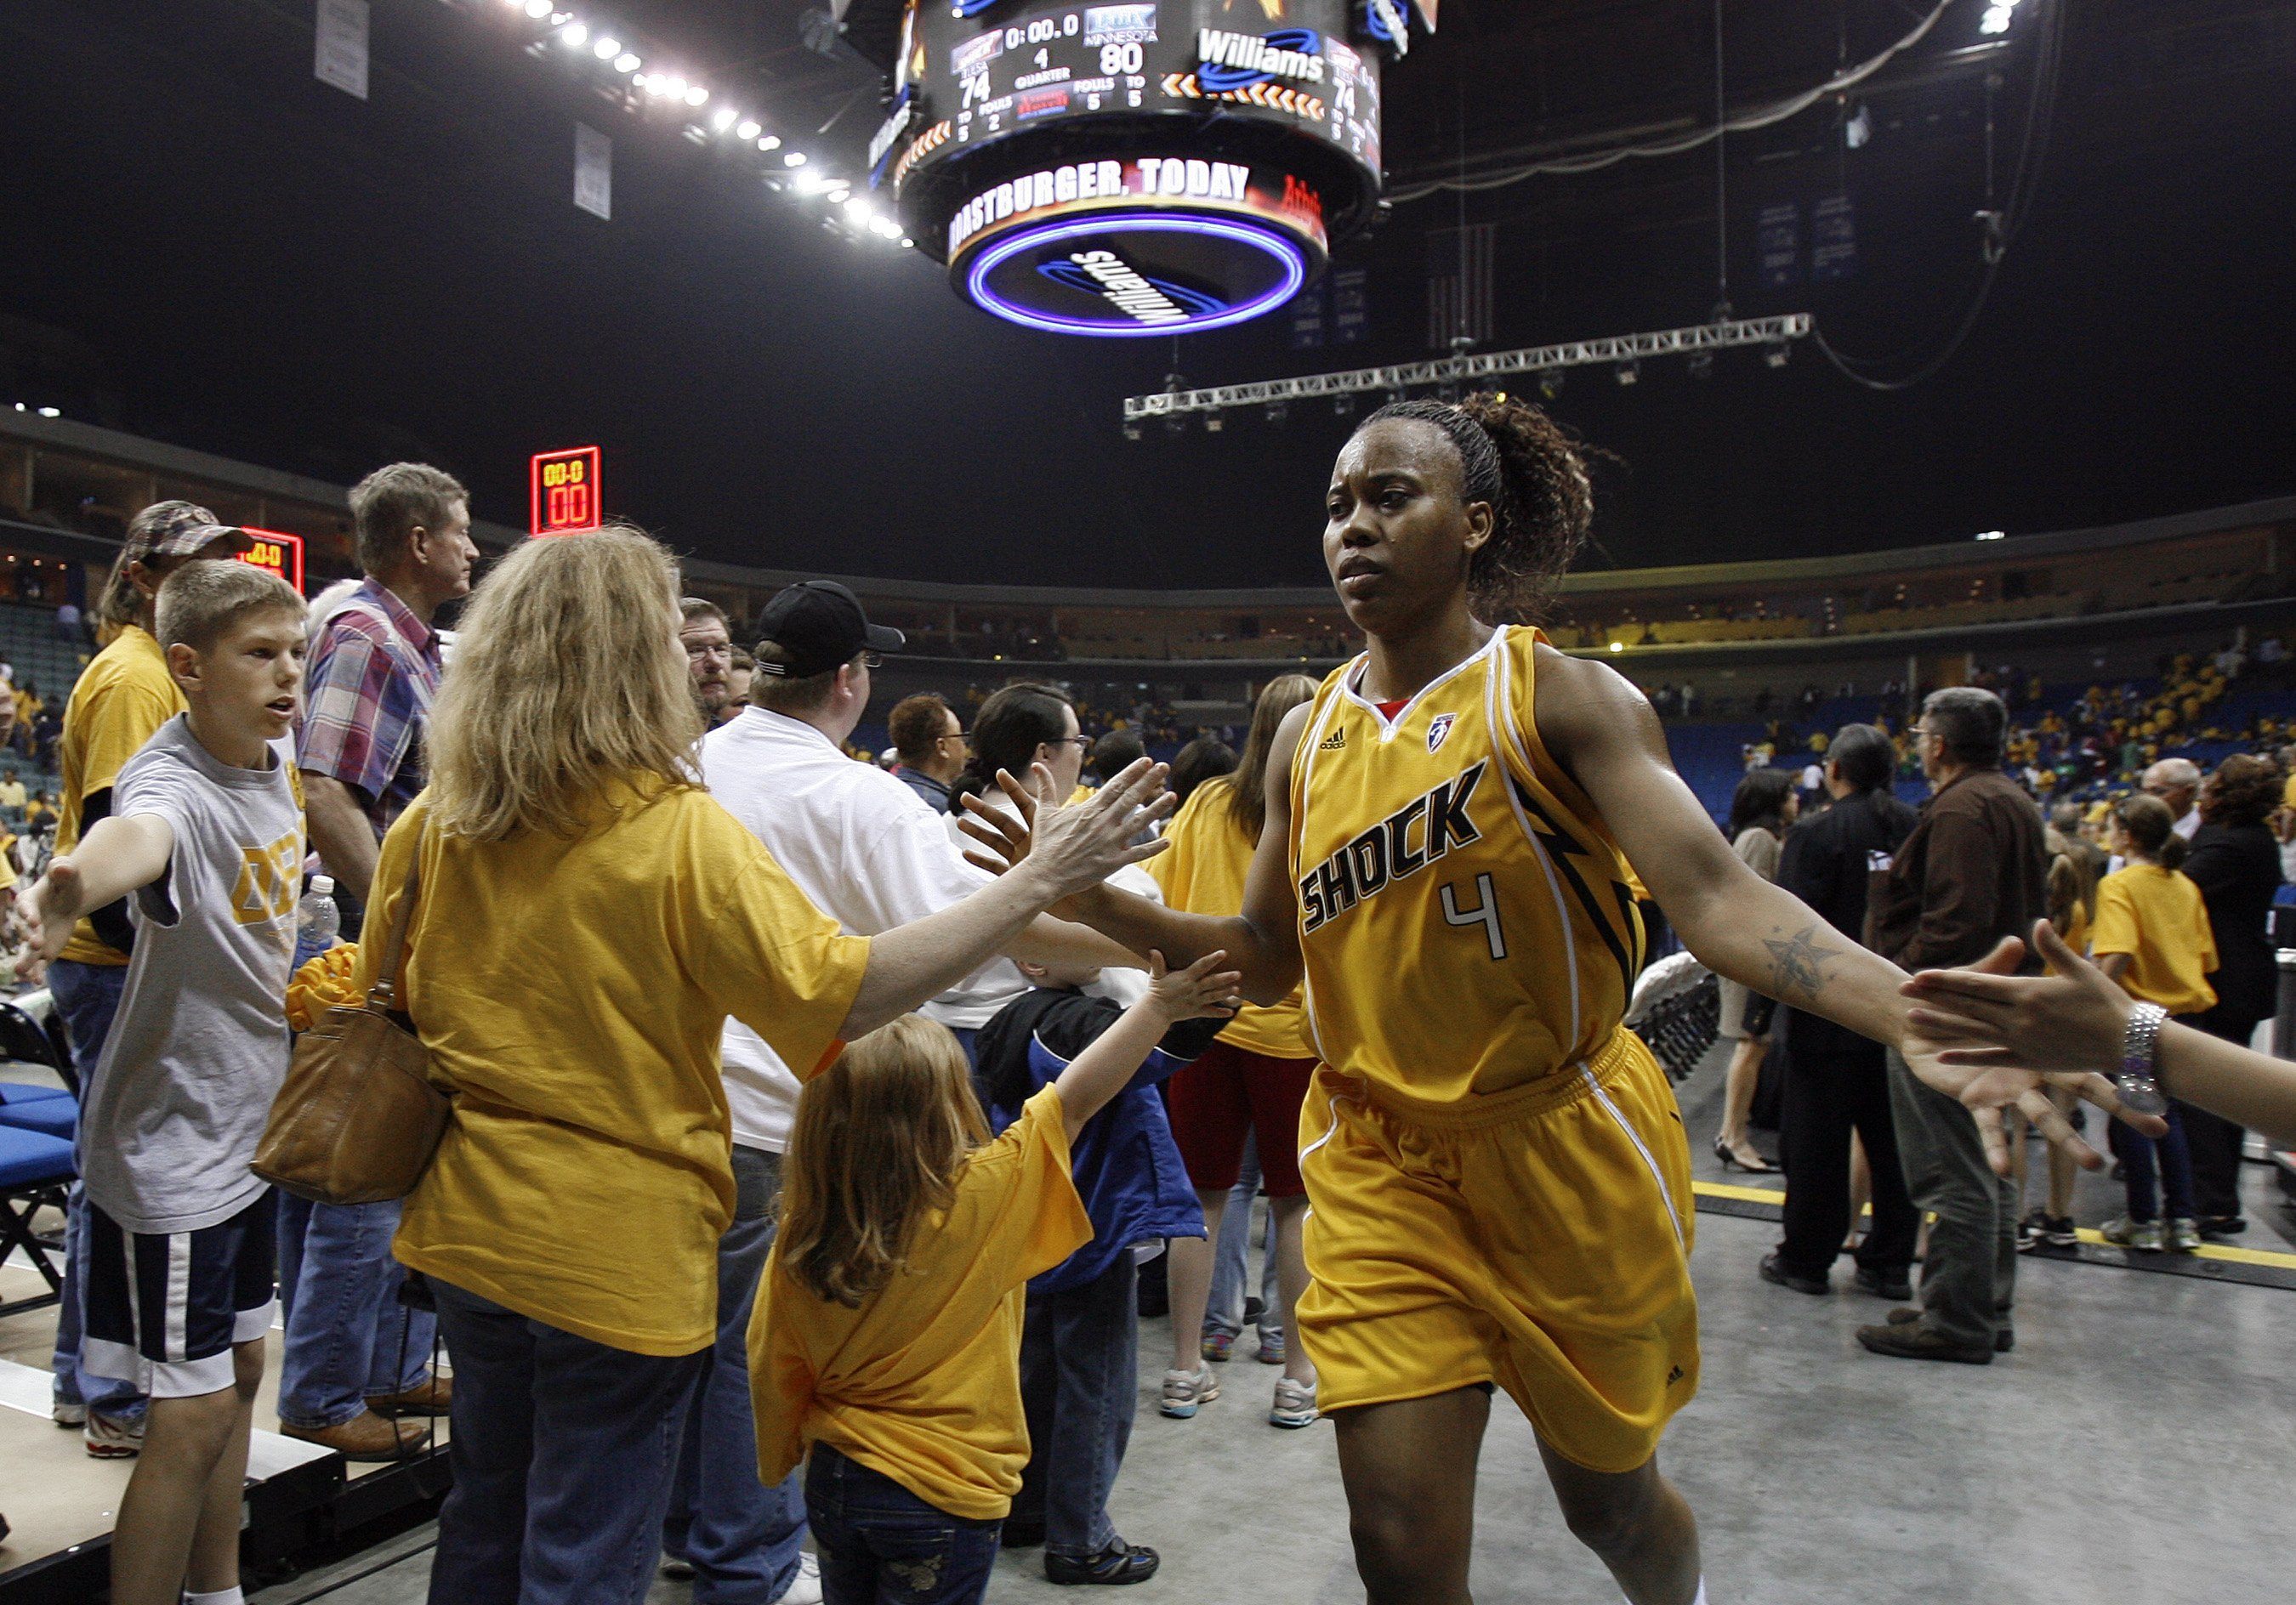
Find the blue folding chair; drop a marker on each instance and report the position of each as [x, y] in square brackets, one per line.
[36, 1173]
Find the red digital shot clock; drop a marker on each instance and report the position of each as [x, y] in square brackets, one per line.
[564, 492]
[274, 552]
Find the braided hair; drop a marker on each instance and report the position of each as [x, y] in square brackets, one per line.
[1533, 475]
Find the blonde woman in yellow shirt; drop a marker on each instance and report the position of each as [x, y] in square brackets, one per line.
[586, 918]
[886, 1335]
[2152, 936]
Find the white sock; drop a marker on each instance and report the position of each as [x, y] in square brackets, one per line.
[1700, 1599]
[222, 1596]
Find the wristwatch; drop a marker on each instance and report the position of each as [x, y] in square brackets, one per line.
[2139, 1044]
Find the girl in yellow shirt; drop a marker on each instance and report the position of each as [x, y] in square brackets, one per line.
[1248, 1086]
[886, 1335]
[2152, 936]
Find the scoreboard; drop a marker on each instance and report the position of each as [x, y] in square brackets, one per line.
[274, 552]
[563, 492]
[1136, 168]
[984, 76]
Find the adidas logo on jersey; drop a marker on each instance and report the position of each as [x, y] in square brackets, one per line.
[1385, 854]
[1337, 741]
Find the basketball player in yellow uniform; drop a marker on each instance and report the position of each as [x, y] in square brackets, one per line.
[1496, 1172]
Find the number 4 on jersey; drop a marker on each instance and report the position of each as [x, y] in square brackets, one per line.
[1485, 913]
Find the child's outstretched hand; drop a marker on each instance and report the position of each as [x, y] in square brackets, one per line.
[1203, 991]
[46, 913]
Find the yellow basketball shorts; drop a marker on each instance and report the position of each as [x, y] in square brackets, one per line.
[1537, 1239]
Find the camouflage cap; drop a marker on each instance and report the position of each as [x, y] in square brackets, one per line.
[180, 529]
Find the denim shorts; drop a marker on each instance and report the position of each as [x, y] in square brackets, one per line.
[878, 1541]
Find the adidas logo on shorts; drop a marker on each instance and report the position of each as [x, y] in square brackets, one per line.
[1336, 742]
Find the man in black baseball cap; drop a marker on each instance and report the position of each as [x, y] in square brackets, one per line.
[816, 627]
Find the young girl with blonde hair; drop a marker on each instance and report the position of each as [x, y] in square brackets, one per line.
[888, 1331]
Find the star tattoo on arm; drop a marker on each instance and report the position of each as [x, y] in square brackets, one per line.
[1798, 964]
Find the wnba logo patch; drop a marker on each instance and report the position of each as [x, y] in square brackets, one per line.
[1439, 728]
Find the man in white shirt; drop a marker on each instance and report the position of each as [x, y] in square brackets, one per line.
[870, 854]
[2177, 782]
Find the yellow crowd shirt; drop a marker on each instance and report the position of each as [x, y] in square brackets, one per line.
[921, 1383]
[119, 703]
[571, 993]
[2156, 916]
[1467, 921]
[1203, 871]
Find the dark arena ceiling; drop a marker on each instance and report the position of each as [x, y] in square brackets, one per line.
[208, 245]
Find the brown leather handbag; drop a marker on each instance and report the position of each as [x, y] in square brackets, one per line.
[357, 1118]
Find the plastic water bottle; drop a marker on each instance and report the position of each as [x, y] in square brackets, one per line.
[317, 921]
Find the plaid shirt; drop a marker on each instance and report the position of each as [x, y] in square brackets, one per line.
[374, 670]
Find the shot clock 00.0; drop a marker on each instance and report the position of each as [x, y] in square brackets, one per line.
[564, 492]
[274, 552]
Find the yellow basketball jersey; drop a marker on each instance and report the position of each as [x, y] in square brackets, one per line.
[1466, 919]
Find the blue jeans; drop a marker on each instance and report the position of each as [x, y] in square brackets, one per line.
[741, 1537]
[355, 1341]
[1079, 1384]
[563, 1451]
[880, 1545]
[2136, 1153]
[89, 995]
[349, 1339]
[1232, 1258]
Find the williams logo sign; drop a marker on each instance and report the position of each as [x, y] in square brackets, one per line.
[1234, 60]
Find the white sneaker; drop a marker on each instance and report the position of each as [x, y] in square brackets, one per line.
[1295, 1404]
[1185, 1390]
[112, 1437]
[805, 1588]
[69, 1415]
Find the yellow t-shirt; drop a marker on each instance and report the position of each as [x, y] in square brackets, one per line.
[2157, 918]
[1203, 871]
[11, 793]
[119, 703]
[572, 994]
[2288, 792]
[922, 1382]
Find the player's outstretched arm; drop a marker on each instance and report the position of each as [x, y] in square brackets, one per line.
[1599, 728]
[2076, 1015]
[1262, 942]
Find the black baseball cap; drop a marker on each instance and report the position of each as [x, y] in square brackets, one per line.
[819, 625]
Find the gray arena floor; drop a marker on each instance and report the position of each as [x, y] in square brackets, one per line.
[2140, 1446]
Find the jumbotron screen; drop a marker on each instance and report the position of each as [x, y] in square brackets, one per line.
[1132, 168]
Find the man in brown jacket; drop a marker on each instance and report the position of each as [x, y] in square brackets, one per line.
[1973, 871]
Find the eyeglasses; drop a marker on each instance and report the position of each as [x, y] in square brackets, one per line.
[958, 735]
[872, 661]
[1082, 743]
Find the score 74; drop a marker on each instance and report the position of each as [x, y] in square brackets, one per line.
[976, 87]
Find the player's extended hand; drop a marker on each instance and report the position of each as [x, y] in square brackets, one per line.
[1203, 991]
[1076, 846]
[1960, 1024]
[45, 916]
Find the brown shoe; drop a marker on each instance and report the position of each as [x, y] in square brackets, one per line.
[366, 1436]
[1910, 1340]
[433, 1396]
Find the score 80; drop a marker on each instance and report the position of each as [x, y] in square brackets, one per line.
[1117, 59]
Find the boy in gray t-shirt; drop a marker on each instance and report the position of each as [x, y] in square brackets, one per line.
[206, 833]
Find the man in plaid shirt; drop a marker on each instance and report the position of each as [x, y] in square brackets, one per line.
[354, 1359]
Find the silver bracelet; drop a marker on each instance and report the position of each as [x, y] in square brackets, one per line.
[2140, 1091]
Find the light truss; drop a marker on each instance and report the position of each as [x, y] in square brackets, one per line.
[1495, 364]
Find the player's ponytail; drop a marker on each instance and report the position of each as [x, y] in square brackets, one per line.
[1533, 476]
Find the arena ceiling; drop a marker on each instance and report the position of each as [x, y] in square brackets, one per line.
[208, 246]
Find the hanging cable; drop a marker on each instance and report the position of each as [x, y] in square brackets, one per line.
[2000, 226]
[1762, 118]
[1721, 177]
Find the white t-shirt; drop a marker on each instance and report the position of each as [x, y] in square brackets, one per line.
[200, 1045]
[859, 844]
